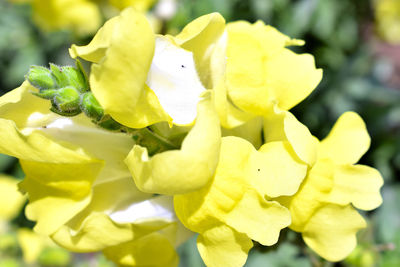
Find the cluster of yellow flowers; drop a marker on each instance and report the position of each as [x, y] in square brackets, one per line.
[83, 17]
[241, 167]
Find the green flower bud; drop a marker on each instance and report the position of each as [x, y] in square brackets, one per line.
[70, 76]
[91, 107]
[61, 80]
[66, 102]
[41, 78]
[75, 78]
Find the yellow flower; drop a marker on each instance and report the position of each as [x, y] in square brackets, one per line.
[81, 16]
[80, 192]
[387, 16]
[234, 208]
[322, 210]
[253, 68]
[141, 79]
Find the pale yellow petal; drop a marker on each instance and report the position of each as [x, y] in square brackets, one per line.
[118, 80]
[97, 48]
[280, 125]
[261, 71]
[223, 246]
[229, 115]
[276, 170]
[311, 194]
[358, 185]
[260, 220]
[250, 131]
[331, 231]
[347, 141]
[291, 77]
[184, 170]
[153, 250]
[199, 37]
[11, 200]
[56, 191]
[93, 228]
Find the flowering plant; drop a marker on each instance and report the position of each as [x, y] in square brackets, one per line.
[171, 135]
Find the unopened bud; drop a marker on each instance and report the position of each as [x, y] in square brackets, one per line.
[66, 102]
[41, 78]
[75, 78]
[91, 107]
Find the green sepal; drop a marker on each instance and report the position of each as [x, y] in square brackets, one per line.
[60, 79]
[41, 78]
[109, 123]
[65, 114]
[79, 66]
[91, 107]
[46, 94]
[74, 78]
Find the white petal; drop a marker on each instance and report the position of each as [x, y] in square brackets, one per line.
[158, 208]
[174, 79]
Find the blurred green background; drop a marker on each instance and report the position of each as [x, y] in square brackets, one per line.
[361, 73]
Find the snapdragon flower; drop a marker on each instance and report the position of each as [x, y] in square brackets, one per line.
[80, 192]
[323, 209]
[83, 17]
[141, 79]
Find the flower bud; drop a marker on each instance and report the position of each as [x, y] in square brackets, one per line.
[41, 78]
[91, 107]
[66, 102]
[75, 78]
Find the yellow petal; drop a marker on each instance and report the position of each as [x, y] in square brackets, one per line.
[261, 71]
[59, 174]
[250, 130]
[199, 37]
[347, 141]
[281, 125]
[31, 244]
[223, 246]
[118, 80]
[233, 198]
[11, 200]
[358, 185]
[151, 250]
[97, 48]
[311, 195]
[19, 104]
[276, 170]
[291, 77]
[57, 191]
[93, 228]
[184, 170]
[331, 231]
[260, 220]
